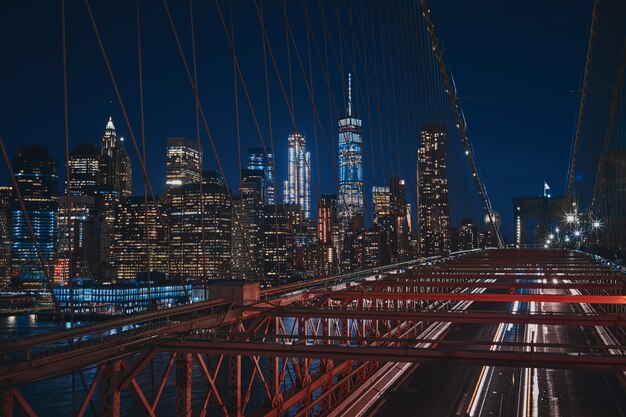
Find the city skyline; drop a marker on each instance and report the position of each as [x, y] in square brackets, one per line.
[320, 208]
[174, 116]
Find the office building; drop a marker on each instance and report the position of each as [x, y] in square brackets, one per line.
[84, 163]
[200, 231]
[183, 162]
[246, 225]
[138, 238]
[433, 212]
[37, 180]
[258, 158]
[278, 245]
[350, 153]
[297, 186]
[326, 218]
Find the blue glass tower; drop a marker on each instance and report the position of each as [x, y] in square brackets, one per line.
[350, 196]
[37, 179]
[264, 161]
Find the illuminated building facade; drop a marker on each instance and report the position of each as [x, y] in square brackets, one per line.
[84, 163]
[183, 162]
[130, 297]
[246, 225]
[297, 186]
[115, 169]
[200, 237]
[6, 202]
[114, 176]
[326, 218]
[433, 212]
[400, 217]
[138, 240]
[37, 179]
[382, 206]
[259, 159]
[350, 151]
[82, 211]
[278, 245]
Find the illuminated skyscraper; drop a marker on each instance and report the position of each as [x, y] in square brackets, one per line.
[433, 212]
[401, 221]
[259, 159]
[326, 218]
[83, 207]
[350, 196]
[36, 175]
[115, 169]
[382, 206]
[192, 225]
[84, 164]
[183, 162]
[277, 241]
[246, 225]
[138, 239]
[297, 186]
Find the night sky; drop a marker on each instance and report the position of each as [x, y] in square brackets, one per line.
[517, 66]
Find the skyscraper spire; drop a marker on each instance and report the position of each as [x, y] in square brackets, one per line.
[349, 94]
[110, 126]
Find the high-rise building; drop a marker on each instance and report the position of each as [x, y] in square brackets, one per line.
[400, 217]
[258, 158]
[115, 169]
[138, 238]
[350, 151]
[278, 245]
[37, 180]
[183, 162]
[6, 202]
[84, 163]
[297, 186]
[326, 218]
[200, 231]
[82, 211]
[433, 212]
[246, 225]
[383, 222]
[382, 206]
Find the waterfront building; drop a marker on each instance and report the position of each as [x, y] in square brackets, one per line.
[91, 298]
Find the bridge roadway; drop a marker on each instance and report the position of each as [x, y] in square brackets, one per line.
[331, 337]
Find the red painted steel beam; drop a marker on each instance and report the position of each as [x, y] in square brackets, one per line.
[500, 285]
[497, 298]
[454, 317]
[406, 354]
[525, 276]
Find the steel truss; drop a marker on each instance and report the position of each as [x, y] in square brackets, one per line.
[310, 348]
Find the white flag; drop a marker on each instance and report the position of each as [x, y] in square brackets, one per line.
[546, 187]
